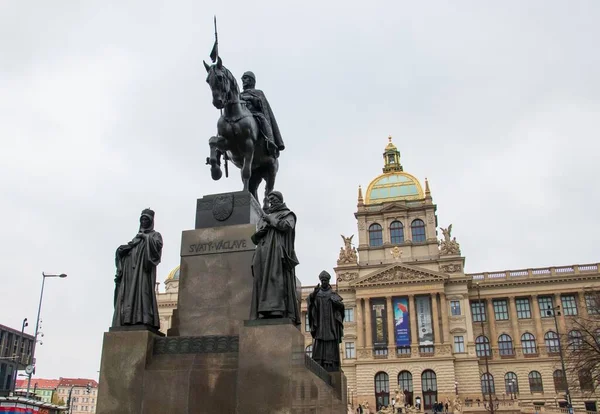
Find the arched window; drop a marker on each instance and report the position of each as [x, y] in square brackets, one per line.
[429, 387]
[511, 383]
[309, 350]
[487, 384]
[382, 389]
[528, 344]
[397, 232]
[575, 339]
[417, 229]
[405, 385]
[551, 341]
[482, 346]
[375, 235]
[535, 382]
[560, 382]
[505, 345]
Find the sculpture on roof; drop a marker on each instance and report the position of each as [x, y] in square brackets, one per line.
[448, 246]
[136, 261]
[348, 254]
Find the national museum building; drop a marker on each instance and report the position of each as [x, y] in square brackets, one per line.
[416, 323]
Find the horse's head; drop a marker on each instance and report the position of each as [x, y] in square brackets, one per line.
[223, 85]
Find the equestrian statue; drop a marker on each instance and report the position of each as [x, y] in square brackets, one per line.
[247, 133]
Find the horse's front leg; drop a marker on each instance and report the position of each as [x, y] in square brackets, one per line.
[247, 166]
[215, 158]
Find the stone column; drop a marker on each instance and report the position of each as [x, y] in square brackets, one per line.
[514, 319]
[582, 308]
[435, 319]
[562, 323]
[539, 331]
[491, 319]
[368, 330]
[414, 328]
[360, 333]
[390, 326]
[445, 320]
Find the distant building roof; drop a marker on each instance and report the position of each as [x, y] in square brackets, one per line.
[77, 382]
[44, 384]
[16, 331]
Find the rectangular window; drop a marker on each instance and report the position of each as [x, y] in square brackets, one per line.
[591, 303]
[523, 308]
[403, 350]
[459, 344]
[426, 349]
[569, 305]
[478, 311]
[349, 315]
[455, 307]
[350, 350]
[546, 304]
[500, 309]
[306, 324]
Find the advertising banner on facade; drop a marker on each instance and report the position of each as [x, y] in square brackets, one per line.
[424, 320]
[401, 322]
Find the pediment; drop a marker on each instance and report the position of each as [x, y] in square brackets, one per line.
[400, 273]
[394, 207]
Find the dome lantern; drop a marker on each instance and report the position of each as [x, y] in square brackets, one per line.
[391, 158]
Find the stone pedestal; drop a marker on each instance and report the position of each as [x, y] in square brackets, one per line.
[215, 281]
[124, 358]
[212, 361]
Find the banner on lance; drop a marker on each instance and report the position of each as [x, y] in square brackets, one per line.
[424, 320]
[401, 322]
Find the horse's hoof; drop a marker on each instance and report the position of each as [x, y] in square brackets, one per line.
[216, 173]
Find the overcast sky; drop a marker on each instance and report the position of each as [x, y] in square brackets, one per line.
[104, 111]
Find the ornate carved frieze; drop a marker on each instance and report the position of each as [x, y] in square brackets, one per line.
[196, 344]
[400, 273]
[451, 268]
[347, 276]
[364, 353]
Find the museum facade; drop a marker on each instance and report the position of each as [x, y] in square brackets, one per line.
[420, 329]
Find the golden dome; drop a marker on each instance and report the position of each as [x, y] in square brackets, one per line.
[173, 274]
[397, 185]
[394, 183]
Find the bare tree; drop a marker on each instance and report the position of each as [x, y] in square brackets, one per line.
[581, 345]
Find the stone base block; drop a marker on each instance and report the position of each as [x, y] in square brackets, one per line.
[273, 375]
[215, 281]
[122, 368]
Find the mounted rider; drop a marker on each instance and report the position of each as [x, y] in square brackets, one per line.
[257, 104]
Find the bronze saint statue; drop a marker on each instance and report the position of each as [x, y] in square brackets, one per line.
[243, 138]
[273, 266]
[257, 103]
[326, 320]
[135, 296]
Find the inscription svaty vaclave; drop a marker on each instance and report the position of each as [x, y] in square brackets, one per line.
[217, 240]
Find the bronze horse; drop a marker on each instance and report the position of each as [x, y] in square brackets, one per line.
[238, 135]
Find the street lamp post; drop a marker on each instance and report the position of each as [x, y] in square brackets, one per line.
[19, 356]
[456, 388]
[552, 311]
[37, 327]
[490, 404]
